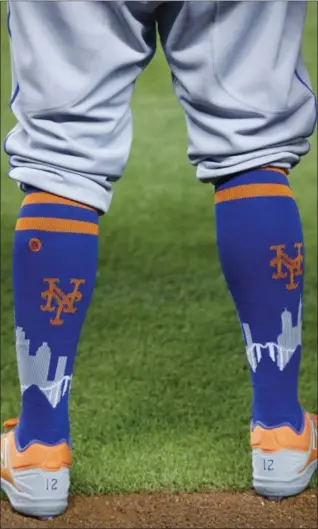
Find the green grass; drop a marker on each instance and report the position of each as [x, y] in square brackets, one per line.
[161, 396]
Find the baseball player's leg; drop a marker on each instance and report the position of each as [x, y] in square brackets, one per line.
[250, 110]
[74, 64]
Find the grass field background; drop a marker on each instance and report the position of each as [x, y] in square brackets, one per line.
[161, 394]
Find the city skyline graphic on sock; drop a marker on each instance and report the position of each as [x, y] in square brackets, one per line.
[281, 351]
[34, 370]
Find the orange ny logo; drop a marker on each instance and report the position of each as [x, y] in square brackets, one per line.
[292, 266]
[57, 300]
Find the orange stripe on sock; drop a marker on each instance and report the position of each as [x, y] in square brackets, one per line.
[253, 191]
[277, 169]
[57, 225]
[48, 198]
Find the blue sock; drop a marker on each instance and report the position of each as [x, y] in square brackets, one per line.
[54, 269]
[260, 245]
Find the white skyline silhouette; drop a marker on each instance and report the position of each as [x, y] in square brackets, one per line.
[34, 370]
[280, 352]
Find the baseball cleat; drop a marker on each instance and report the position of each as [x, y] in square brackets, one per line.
[36, 479]
[284, 461]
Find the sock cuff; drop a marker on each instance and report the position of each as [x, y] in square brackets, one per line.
[42, 197]
[253, 191]
[41, 211]
[263, 182]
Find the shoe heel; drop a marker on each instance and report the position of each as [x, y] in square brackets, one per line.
[38, 493]
[278, 475]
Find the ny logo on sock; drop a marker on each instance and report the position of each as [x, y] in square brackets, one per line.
[282, 261]
[59, 302]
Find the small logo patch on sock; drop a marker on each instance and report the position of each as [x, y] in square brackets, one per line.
[59, 302]
[292, 266]
[35, 245]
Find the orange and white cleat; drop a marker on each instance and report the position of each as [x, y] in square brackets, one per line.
[35, 480]
[284, 461]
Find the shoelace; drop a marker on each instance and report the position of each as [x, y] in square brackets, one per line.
[11, 423]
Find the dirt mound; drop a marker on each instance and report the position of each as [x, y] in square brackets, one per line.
[206, 510]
